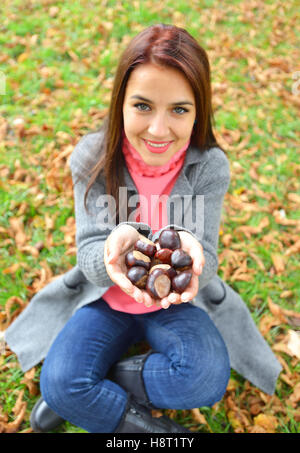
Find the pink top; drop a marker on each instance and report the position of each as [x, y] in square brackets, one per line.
[151, 183]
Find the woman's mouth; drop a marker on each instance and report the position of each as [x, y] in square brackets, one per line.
[157, 147]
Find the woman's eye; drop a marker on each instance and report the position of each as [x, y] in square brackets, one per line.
[180, 110]
[141, 106]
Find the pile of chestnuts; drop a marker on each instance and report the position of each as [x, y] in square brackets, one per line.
[161, 267]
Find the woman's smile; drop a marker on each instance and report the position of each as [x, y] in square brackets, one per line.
[157, 147]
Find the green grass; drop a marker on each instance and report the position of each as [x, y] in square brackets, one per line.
[52, 66]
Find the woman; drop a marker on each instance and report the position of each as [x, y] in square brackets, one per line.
[157, 140]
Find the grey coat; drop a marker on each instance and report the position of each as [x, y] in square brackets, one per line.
[205, 175]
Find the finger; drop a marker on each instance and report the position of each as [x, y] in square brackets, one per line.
[165, 302]
[197, 257]
[114, 255]
[174, 298]
[121, 280]
[137, 295]
[148, 301]
[191, 291]
[197, 267]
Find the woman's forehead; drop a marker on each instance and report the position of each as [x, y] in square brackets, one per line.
[151, 82]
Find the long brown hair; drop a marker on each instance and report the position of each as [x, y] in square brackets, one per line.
[165, 45]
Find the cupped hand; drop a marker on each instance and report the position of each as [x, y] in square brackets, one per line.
[190, 245]
[117, 245]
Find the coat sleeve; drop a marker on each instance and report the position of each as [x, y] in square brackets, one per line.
[93, 225]
[210, 180]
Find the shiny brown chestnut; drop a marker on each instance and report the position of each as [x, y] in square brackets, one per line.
[136, 258]
[181, 260]
[170, 270]
[160, 266]
[158, 284]
[163, 255]
[138, 276]
[169, 239]
[181, 281]
[146, 247]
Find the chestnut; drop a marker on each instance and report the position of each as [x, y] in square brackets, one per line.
[170, 270]
[158, 284]
[163, 255]
[136, 258]
[160, 266]
[145, 246]
[181, 281]
[138, 276]
[169, 239]
[181, 260]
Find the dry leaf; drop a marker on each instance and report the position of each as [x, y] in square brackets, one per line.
[18, 230]
[293, 343]
[198, 417]
[256, 429]
[278, 262]
[14, 426]
[267, 322]
[294, 398]
[293, 249]
[290, 344]
[11, 269]
[268, 422]
[276, 311]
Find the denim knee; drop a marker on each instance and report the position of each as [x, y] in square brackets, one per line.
[94, 406]
[203, 380]
[207, 386]
[54, 387]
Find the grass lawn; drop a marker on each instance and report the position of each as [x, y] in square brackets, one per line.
[57, 64]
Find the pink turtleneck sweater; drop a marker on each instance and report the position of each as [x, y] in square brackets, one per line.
[151, 182]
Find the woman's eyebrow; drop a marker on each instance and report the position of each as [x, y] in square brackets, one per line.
[141, 98]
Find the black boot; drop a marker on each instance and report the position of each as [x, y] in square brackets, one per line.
[138, 419]
[43, 419]
[128, 374]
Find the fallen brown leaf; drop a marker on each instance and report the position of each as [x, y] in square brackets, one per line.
[294, 398]
[198, 417]
[268, 422]
[289, 345]
[267, 322]
[278, 262]
[17, 227]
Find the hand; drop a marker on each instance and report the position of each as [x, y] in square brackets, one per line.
[190, 245]
[117, 245]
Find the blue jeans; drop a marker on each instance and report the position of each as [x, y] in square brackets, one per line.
[189, 368]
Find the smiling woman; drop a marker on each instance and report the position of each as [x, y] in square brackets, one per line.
[157, 139]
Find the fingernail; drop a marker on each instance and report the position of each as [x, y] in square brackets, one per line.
[185, 298]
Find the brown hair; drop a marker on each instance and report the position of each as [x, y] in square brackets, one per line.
[165, 45]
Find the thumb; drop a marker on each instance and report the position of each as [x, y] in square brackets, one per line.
[111, 258]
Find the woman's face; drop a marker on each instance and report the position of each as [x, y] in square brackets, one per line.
[159, 111]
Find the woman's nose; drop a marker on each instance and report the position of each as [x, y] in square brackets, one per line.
[158, 126]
